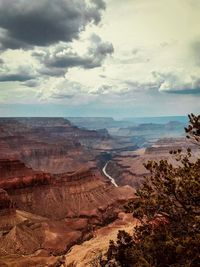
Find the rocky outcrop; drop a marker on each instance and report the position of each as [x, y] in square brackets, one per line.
[89, 252]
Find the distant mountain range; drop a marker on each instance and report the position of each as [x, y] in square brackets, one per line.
[159, 120]
[108, 122]
[147, 127]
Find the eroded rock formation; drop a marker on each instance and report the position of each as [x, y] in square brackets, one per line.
[52, 195]
[54, 212]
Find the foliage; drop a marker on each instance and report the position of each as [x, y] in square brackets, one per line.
[168, 207]
[193, 128]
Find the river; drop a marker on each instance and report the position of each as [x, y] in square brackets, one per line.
[108, 176]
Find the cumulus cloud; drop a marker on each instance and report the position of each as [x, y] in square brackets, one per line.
[15, 73]
[65, 89]
[62, 90]
[24, 24]
[56, 62]
[172, 83]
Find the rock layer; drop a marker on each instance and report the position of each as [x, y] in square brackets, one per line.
[54, 212]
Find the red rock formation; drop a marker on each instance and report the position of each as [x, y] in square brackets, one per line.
[13, 168]
[5, 201]
[66, 195]
[54, 212]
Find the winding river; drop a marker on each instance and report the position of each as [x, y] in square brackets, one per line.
[108, 176]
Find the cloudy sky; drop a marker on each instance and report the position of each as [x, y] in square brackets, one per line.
[99, 58]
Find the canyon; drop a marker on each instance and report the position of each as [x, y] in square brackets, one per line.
[53, 195]
[63, 188]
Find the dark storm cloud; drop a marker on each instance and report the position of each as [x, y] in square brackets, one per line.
[100, 4]
[24, 23]
[56, 63]
[10, 42]
[15, 77]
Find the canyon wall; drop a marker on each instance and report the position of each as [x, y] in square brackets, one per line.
[52, 194]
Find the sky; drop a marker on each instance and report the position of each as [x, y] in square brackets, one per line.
[115, 58]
